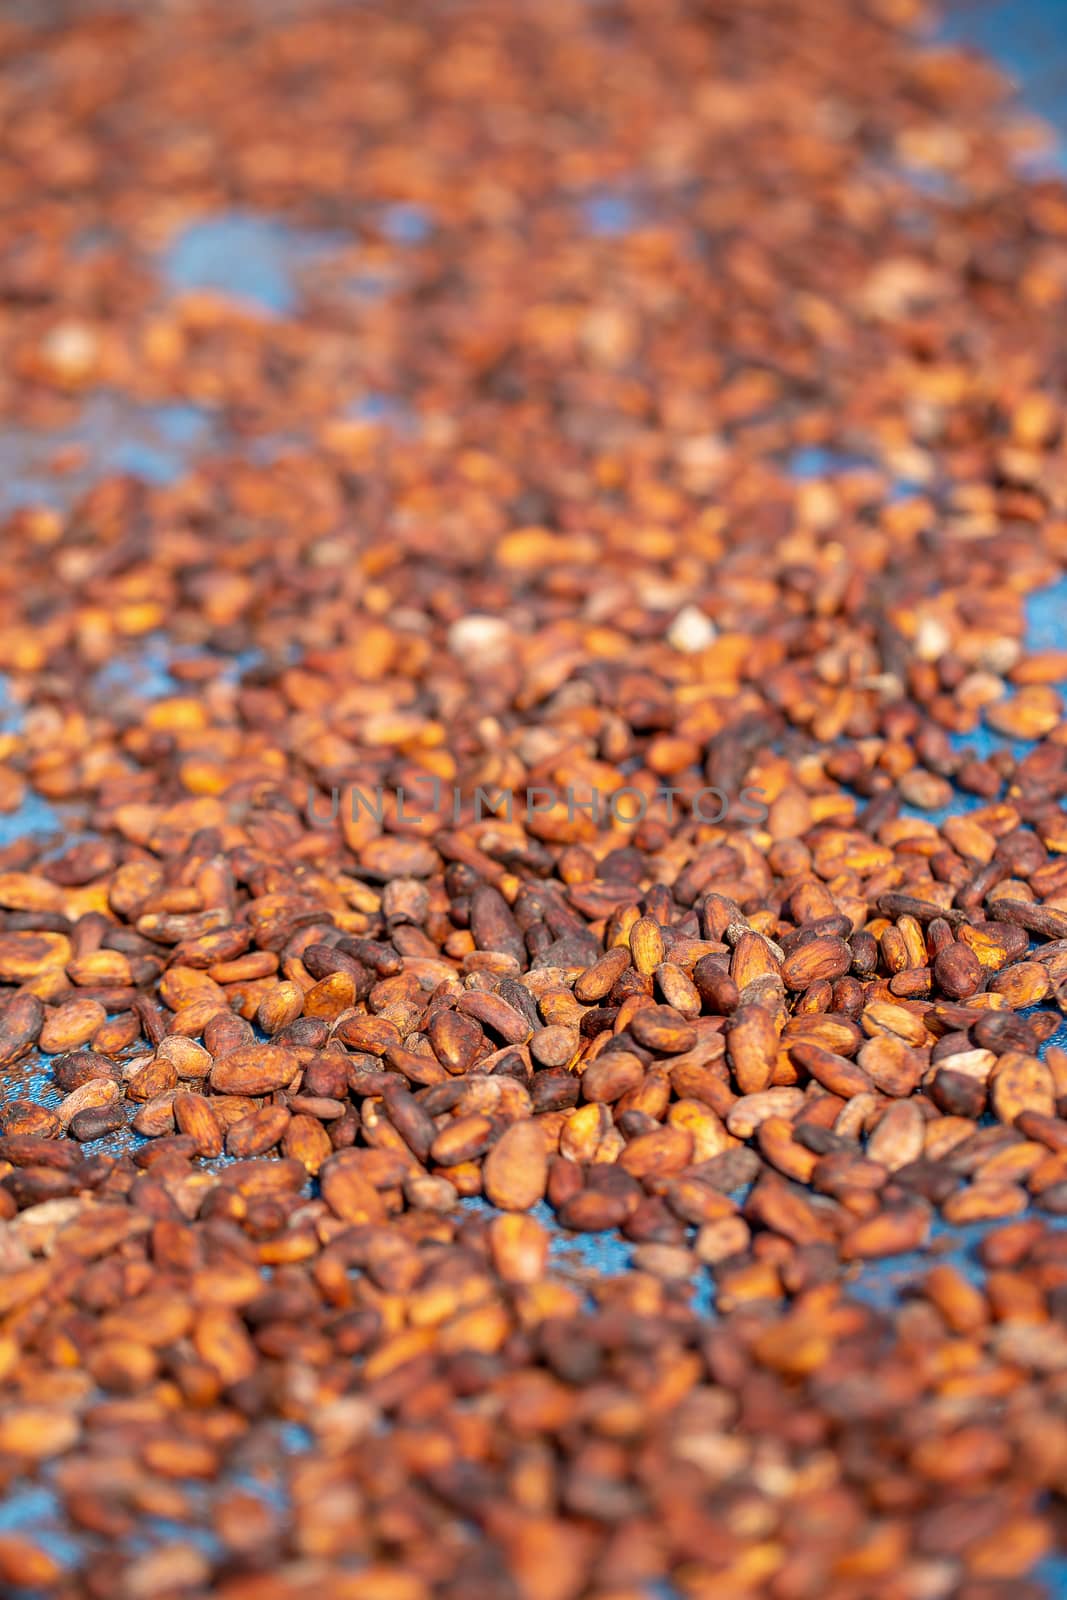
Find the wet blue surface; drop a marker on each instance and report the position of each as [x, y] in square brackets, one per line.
[253, 258]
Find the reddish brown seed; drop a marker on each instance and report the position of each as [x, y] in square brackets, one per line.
[785, 1210]
[254, 1069]
[747, 1113]
[456, 1040]
[156, 1077]
[258, 1132]
[783, 1151]
[704, 1126]
[555, 1046]
[1026, 983]
[95, 1092]
[493, 925]
[26, 955]
[961, 1304]
[888, 1234]
[719, 1240]
[661, 1151]
[348, 1192]
[222, 1342]
[957, 971]
[662, 1029]
[677, 989]
[24, 1564]
[96, 1122]
[599, 979]
[820, 958]
[613, 1074]
[516, 1169]
[21, 1021]
[752, 1048]
[496, 1014]
[715, 986]
[897, 1138]
[193, 1115]
[646, 944]
[1021, 1083]
[306, 1140]
[982, 1202]
[893, 1067]
[834, 1072]
[36, 1432]
[520, 1249]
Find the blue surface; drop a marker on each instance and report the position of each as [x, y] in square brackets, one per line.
[35, 816]
[609, 213]
[384, 408]
[809, 462]
[823, 461]
[144, 670]
[1046, 610]
[34, 1509]
[883, 1284]
[253, 258]
[117, 434]
[405, 223]
[181, 429]
[1046, 619]
[1028, 40]
[1052, 1572]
